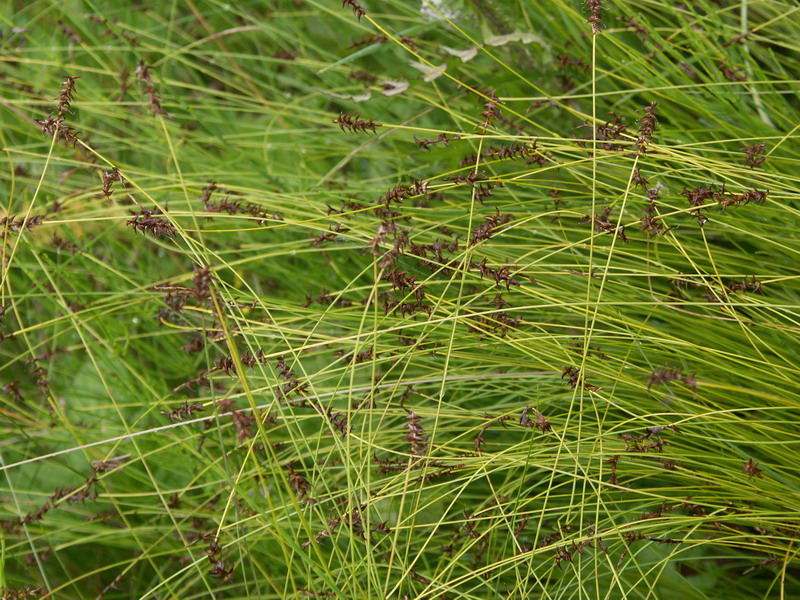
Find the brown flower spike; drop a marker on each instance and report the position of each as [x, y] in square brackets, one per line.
[354, 124]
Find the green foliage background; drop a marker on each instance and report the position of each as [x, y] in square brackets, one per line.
[669, 467]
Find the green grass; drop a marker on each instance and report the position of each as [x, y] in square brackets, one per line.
[429, 443]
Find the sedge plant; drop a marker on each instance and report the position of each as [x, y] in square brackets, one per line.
[443, 300]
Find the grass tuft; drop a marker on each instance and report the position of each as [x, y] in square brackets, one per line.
[535, 335]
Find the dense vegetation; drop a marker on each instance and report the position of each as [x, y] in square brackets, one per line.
[400, 299]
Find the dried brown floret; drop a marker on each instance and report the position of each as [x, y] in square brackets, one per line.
[358, 10]
[595, 9]
[353, 124]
